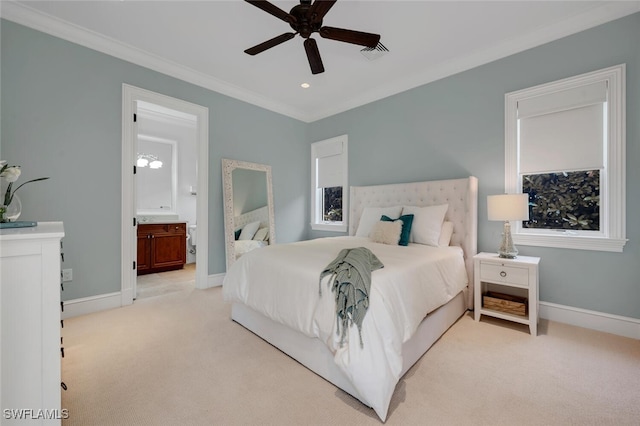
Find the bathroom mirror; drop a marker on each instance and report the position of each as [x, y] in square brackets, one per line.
[156, 175]
[248, 207]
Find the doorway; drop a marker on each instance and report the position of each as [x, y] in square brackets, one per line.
[134, 97]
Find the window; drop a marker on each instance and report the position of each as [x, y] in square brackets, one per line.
[565, 146]
[329, 171]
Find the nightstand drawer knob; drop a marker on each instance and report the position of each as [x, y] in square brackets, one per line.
[503, 274]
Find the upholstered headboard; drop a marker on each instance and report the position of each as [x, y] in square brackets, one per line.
[460, 194]
[261, 214]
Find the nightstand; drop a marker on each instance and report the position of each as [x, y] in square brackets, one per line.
[505, 283]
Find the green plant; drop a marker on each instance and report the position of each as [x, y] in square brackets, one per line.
[563, 200]
[11, 174]
[332, 211]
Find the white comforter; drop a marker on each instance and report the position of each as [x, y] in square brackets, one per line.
[245, 246]
[281, 282]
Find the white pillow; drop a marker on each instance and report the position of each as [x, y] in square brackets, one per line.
[249, 230]
[427, 223]
[386, 232]
[261, 234]
[445, 234]
[371, 215]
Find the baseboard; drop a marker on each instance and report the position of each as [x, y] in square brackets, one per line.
[88, 305]
[101, 302]
[609, 323]
[215, 280]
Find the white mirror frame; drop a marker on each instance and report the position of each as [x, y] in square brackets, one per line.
[228, 166]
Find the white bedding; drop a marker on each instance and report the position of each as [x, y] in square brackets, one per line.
[245, 246]
[281, 282]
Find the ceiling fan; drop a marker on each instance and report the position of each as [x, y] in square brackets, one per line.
[306, 19]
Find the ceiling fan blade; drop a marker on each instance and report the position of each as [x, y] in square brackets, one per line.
[318, 9]
[350, 36]
[269, 43]
[273, 10]
[313, 54]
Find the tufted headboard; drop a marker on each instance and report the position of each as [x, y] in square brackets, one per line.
[460, 194]
[261, 214]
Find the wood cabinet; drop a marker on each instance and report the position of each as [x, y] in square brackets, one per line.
[30, 324]
[161, 247]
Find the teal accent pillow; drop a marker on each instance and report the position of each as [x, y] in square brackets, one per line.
[407, 221]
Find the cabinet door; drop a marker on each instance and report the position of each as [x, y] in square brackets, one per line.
[168, 249]
[144, 253]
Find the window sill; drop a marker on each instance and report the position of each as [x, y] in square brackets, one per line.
[328, 227]
[571, 242]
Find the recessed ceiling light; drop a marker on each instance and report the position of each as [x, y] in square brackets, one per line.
[305, 85]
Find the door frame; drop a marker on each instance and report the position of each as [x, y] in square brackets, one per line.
[130, 95]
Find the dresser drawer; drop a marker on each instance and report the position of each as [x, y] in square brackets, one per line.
[504, 274]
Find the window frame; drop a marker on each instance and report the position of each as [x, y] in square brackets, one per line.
[612, 235]
[317, 224]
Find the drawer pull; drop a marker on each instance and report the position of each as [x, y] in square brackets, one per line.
[503, 274]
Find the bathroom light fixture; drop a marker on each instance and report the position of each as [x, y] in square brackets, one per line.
[148, 160]
[305, 85]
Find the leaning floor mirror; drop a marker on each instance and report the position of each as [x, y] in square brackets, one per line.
[249, 221]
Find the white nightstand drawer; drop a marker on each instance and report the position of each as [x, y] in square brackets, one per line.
[504, 274]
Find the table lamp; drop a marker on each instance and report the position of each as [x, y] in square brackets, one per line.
[508, 207]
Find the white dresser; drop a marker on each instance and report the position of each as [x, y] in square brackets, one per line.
[30, 324]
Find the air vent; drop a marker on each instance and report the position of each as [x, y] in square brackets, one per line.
[372, 53]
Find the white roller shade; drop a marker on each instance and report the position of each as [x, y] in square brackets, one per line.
[588, 94]
[329, 165]
[330, 171]
[562, 141]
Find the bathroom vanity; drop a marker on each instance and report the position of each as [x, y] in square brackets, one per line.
[161, 247]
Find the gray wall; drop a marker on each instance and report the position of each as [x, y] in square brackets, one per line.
[454, 127]
[61, 107]
[61, 117]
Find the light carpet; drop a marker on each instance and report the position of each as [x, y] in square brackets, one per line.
[178, 359]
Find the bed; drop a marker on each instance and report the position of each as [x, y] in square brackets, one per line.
[396, 330]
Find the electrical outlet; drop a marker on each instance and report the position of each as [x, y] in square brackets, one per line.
[67, 275]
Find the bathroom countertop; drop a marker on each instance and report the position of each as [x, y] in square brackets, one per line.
[156, 222]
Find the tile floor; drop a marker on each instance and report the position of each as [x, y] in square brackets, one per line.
[151, 285]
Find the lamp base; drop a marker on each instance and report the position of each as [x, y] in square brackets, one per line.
[507, 250]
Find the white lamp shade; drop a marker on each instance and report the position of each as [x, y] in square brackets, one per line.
[508, 207]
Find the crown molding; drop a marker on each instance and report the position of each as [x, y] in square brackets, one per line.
[32, 18]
